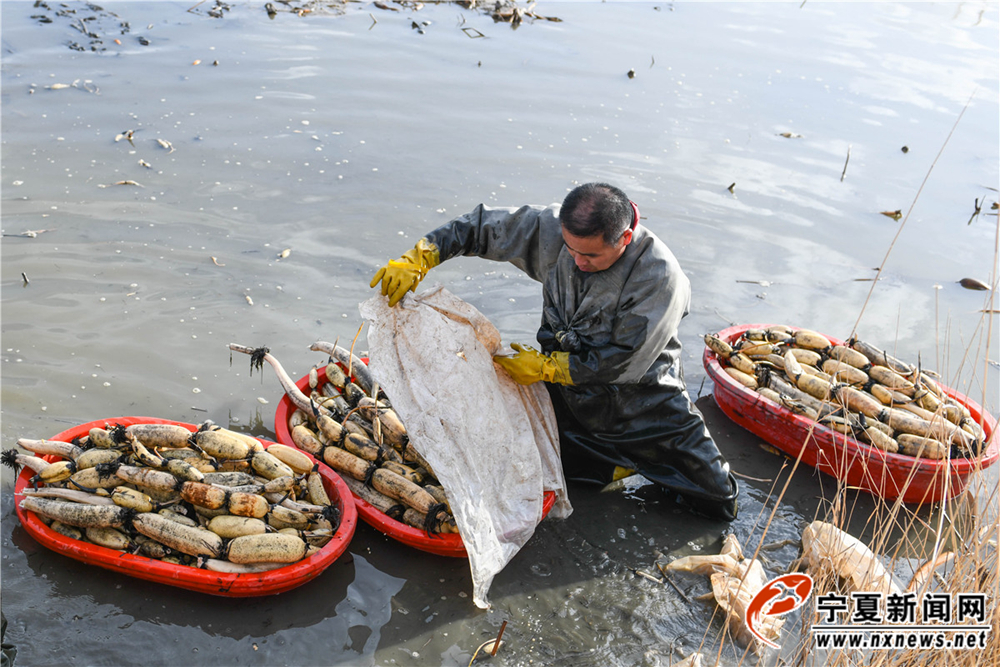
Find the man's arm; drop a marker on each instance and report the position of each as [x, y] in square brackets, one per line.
[528, 237]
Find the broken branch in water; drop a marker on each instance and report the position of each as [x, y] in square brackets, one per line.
[491, 645]
[645, 575]
[977, 209]
[30, 233]
[670, 581]
[496, 644]
[755, 479]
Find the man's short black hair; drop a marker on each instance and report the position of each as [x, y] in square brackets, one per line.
[597, 209]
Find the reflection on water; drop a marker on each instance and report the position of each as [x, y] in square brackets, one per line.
[343, 139]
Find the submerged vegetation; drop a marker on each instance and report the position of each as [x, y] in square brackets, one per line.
[101, 29]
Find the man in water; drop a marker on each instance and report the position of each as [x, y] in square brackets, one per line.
[614, 296]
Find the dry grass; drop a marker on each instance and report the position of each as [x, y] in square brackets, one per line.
[957, 536]
[948, 548]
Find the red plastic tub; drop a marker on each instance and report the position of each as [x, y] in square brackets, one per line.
[192, 578]
[443, 544]
[855, 463]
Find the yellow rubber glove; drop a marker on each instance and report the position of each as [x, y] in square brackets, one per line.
[529, 366]
[621, 473]
[402, 275]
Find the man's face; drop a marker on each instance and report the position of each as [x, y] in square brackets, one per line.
[591, 253]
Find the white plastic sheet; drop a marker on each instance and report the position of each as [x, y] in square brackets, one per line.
[492, 443]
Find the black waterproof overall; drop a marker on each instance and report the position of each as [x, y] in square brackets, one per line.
[628, 405]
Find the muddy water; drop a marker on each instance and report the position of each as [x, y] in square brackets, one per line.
[343, 136]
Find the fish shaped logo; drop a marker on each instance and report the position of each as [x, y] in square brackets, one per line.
[779, 596]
